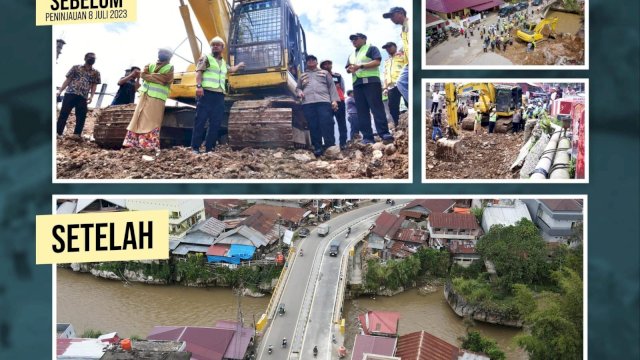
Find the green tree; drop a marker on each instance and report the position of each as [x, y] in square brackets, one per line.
[555, 327]
[478, 212]
[375, 275]
[518, 253]
[477, 343]
[433, 262]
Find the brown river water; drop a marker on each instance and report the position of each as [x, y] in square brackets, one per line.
[88, 302]
[567, 22]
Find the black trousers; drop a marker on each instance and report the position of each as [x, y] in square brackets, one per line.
[319, 117]
[341, 115]
[369, 101]
[210, 107]
[434, 106]
[394, 104]
[69, 102]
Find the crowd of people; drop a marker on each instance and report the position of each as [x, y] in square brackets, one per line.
[320, 89]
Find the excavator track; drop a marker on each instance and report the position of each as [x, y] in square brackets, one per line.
[111, 126]
[267, 123]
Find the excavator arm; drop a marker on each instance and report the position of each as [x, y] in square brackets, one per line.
[487, 95]
[452, 113]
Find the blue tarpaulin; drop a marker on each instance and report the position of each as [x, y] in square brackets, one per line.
[244, 252]
[235, 254]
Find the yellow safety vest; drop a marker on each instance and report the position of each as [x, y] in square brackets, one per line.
[156, 90]
[215, 75]
[493, 118]
[393, 67]
[360, 57]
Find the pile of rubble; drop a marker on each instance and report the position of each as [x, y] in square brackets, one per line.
[565, 49]
[482, 156]
[81, 158]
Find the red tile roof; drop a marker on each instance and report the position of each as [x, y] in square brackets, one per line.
[380, 322]
[562, 204]
[218, 249]
[462, 247]
[449, 6]
[423, 346]
[453, 221]
[287, 213]
[377, 345]
[411, 235]
[260, 222]
[387, 224]
[398, 250]
[433, 205]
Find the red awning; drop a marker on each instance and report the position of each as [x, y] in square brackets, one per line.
[487, 5]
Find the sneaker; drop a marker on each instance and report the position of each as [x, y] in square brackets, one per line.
[367, 142]
[317, 154]
[387, 139]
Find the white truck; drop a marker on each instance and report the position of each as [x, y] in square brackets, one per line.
[323, 230]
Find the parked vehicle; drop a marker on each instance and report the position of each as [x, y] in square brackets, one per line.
[522, 6]
[303, 232]
[536, 2]
[506, 11]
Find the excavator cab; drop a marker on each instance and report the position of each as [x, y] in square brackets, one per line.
[267, 36]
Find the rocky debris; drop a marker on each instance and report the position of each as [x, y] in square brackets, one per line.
[463, 308]
[565, 49]
[533, 157]
[85, 160]
[482, 156]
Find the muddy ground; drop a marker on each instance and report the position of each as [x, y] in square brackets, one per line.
[565, 49]
[83, 159]
[484, 156]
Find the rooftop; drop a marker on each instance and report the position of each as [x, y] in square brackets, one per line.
[411, 235]
[572, 205]
[432, 205]
[380, 322]
[421, 345]
[291, 214]
[366, 344]
[453, 221]
[504, 215]
[387, 224]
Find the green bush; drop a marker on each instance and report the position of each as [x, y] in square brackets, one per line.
[91, 334]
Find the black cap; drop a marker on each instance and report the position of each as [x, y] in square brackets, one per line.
[357, 35]
[394, 10]
[389, 44]
[311, 57]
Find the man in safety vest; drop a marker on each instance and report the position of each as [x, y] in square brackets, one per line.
[340, 114]
[144, 129]
[363, 65]
[393, 66]
[211, 76]
[398, 16]
[493, 118]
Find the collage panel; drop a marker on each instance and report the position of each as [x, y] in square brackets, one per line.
[511, 130]
[496, 34]
[309, 96]
[283, 277]
[335, 276]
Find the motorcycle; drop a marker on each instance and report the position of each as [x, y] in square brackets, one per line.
[315, 351]
[284, 343]
[270, 350]
[301, 253]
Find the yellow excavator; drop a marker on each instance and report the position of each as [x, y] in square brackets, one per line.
[262, 110]
[506, 99]
[534, 32]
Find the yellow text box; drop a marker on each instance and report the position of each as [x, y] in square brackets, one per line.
[58, 12]
[96, 237]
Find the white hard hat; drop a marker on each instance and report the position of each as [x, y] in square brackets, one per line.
[166, 48]
[217, 39]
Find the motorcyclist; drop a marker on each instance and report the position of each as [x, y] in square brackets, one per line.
[315, 350]
[270, 350]
[301, 252]
[284, 342]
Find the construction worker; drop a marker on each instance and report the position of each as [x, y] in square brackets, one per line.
[363, 65]
[319, 101]
[352, 115]
[493, 118]
[211, 75]
[517, 121]
[339, 114]
[437, 126]
[128, 85]
[144, 128]
[393, 66]
[398, 16]
[477, 125]
[81, 83]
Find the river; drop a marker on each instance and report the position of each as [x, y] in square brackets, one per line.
[88, 302]
[432, 314]
[567, 22]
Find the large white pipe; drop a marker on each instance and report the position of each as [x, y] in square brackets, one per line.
[541, 171]
[560, 168]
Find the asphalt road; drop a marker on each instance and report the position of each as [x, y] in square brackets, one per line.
[310, 291]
